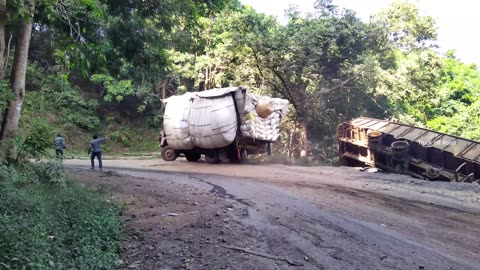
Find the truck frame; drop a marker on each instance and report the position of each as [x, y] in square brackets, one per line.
[399, 148]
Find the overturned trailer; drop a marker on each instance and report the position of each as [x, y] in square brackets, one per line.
[225, 123]
[405, 149]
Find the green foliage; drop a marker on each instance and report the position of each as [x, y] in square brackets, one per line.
[120, 137]
[421, 87]
[455, 108]
[411, 85]
[405, 26]
[310, 62]
[37, 140]
[154, 121]
[57, 97]
[115, 90]
[47, 173]
[6, 94]
[134, 138]
[47, 224]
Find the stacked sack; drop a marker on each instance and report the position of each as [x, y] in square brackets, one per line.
[262, 117]
[208, 119]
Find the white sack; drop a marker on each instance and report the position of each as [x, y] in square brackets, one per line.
[213, 122]
[175, 121]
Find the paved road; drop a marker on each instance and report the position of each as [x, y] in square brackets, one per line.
[335, 218]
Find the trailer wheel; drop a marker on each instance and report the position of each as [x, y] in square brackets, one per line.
[212, 157]
[193, 156]
[168, 154]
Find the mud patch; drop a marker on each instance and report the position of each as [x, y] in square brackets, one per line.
[222, 192]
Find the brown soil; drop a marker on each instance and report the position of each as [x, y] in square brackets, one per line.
[279, 217]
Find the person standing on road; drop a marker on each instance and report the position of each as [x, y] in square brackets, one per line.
[96, 151]
[59, 144]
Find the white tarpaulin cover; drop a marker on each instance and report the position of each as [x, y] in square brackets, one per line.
[208, 119]
[213, 122]
[175, 121]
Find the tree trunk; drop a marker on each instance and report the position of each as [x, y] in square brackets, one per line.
[3, 22]
[304, 145]
[14, 108]
[303, 116]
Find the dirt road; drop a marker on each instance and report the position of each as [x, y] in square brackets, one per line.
[184, 215]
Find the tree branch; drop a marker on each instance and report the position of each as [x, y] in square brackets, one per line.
[8, 53]
[288, 93]
[342, 84]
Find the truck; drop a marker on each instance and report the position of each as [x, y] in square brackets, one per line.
[221, 124]
[405, 149]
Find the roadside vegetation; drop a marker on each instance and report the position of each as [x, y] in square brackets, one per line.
[47, 222]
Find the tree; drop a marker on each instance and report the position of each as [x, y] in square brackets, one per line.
[406, 83]
[309, 62]
[3, 23]
[139, 35]
[455, 108]
[19, 69]
[21, 18]
[406, 27]
[218, 61]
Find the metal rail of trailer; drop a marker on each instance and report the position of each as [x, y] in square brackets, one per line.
[405, 149]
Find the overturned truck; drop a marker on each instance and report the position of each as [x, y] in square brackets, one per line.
[405, 149]
[226, 123]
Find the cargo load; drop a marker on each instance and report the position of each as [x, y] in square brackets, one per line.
[212, 120]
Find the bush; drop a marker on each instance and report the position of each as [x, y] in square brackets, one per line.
[58, 97]
[6, 94]
[120, 136]
[38, 139]
[48, 223]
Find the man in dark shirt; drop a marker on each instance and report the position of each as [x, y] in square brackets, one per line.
[96, 151]
[59, 144]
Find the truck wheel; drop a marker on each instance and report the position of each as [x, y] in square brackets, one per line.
[269, 149]
[212, 157]
[193, 156]
[233, 155]
[168, 154]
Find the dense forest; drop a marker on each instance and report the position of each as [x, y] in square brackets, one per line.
[84, 66]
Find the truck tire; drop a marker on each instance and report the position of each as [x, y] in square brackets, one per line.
[269, 149]
[212, 157]
[233, 155]
[168, 154]
[193, 156]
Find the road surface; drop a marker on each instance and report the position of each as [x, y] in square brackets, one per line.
[183, 215]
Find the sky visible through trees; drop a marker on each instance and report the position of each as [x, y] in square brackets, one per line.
[454, 21]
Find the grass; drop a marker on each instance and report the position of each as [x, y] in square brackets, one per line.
[46, 222]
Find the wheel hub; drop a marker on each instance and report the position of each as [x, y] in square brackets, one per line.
[169, 153]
